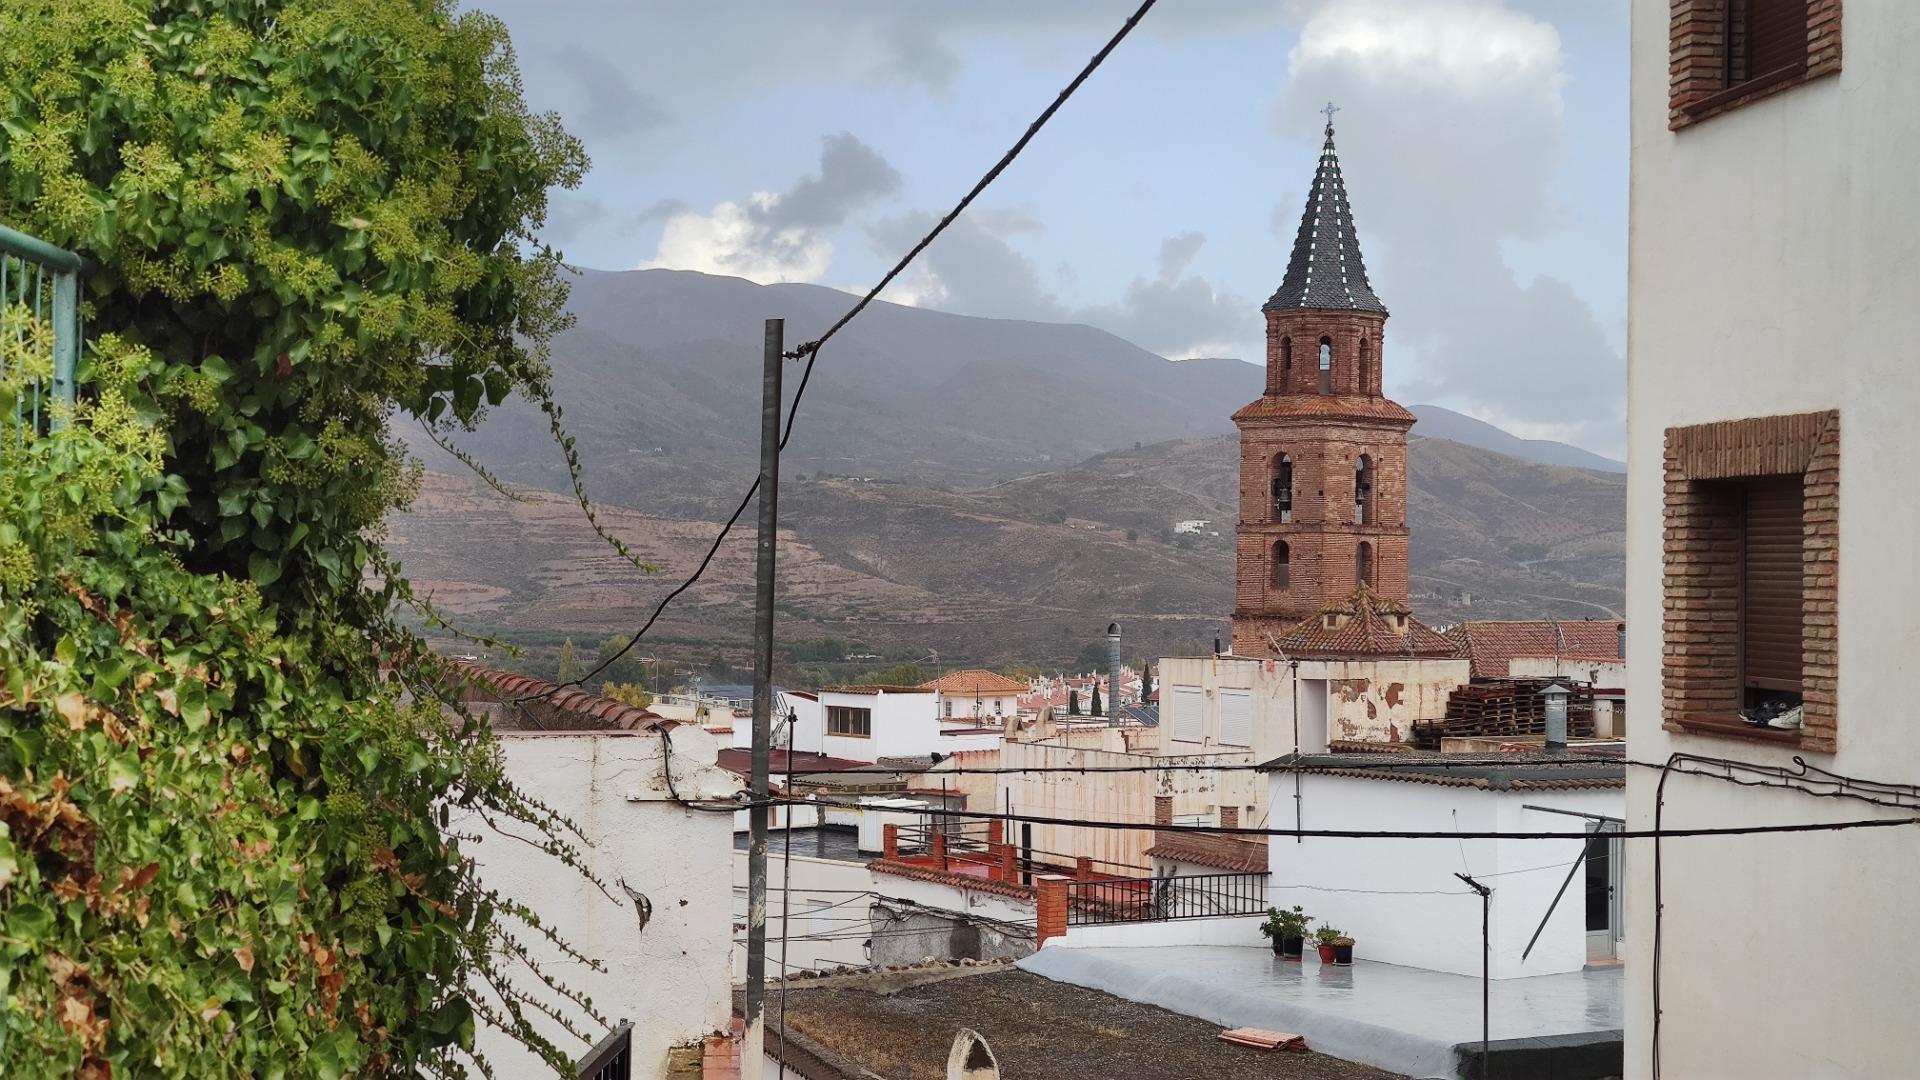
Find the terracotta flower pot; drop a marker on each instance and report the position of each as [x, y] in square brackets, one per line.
[1326, 953]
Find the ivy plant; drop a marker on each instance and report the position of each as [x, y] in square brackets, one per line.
[225, 767]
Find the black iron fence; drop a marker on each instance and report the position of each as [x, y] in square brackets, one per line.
[1194, 896]
[611, 1058]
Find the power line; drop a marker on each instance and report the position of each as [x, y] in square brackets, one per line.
[1390, 834]
[811, 350]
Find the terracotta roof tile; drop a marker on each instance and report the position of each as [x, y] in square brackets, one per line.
[553, 707]
[959, 881]
[1354, 406]
[975, 681]
[1218, 850]
[1364, 624]
[1491, 645]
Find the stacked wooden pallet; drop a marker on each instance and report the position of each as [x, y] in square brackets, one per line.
[1496, 707]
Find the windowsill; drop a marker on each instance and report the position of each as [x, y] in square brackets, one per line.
[1736, 729]
[1738, 94]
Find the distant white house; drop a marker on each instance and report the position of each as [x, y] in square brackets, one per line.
[1194, 527]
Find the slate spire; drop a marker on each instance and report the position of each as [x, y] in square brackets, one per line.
[1326, 270]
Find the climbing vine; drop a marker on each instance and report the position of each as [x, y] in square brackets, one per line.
[226, 769]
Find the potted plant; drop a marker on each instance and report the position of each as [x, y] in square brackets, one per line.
[1287, 930]
[1324, 939]
[1343, 951]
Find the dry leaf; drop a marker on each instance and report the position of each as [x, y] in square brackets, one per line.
[72, 706]
[245, 956]
[169, 700]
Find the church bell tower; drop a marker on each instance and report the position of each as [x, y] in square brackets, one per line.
[1323, 452]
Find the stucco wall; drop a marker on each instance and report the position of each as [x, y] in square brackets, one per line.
[1774, 267]
[1400, 900]
[671, 976]
[829, 909]
[1378, 700]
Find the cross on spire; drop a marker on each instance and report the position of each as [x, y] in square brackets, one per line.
[1330, 110]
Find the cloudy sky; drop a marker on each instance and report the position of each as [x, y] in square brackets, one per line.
[1484, 144]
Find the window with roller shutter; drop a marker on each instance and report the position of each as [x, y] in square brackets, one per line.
[1188, 707]
[1726, 53]
[1236, 717]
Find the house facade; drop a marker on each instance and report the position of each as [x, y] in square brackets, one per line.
[1770, 526]
[978, 695]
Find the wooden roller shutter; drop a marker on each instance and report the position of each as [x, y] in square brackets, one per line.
[1771, 601]
[1776, 35]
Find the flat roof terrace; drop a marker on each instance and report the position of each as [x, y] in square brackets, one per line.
[1406, 1020]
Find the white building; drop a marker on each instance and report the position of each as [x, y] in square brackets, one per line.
[664, 934]
[1400, 899]
[869, 723]
[975, 694]
[1774, 266]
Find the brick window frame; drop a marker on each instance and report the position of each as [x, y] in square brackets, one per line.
[1697, 60]
[1701, 677]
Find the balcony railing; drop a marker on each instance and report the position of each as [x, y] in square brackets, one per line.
[1193, 896]
[40, 294]
[611, 1058]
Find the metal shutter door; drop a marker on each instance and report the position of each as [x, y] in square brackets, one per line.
[1186, 713]
[1771, 605]
[1236, 717]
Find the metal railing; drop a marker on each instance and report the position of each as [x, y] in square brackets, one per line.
[1193, 896]
[611, 1058]
[40, 291]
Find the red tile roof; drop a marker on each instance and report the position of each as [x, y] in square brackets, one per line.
[977, 682]
[1492, 644]
[1326, 405]
[1570, 784]
[1221, 851]
[1364, 624]
[943, 877]
[737, 759]
[552, 707]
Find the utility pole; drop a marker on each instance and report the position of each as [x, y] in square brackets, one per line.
[753, 1054]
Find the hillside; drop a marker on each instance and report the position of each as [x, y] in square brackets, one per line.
[1026, 570]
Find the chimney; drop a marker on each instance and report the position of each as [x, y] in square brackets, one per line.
[1113, 669]
[1556, 697]
[1216, 644]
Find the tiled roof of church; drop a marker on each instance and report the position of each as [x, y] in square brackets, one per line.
[1326, 270]
[1363, 624]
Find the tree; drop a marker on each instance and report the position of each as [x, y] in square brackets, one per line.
[303, 220]
[627, 694]
[1093, 657]
[1073, 703]
[617, 666]
[569, 669]
[1132, 535]
[1146, 682]
[1096, 711]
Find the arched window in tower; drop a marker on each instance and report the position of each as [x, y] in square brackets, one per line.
[1286, 364]
[1363, 490]
[1366, 372]
[1282, 488]
[1282, 565]
[1363, 564]
[1326, 365]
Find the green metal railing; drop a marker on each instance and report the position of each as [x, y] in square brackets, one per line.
[42, 282]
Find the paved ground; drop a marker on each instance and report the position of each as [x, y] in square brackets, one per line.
[1039, 1029]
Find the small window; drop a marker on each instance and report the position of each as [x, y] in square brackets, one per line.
[850, 722]
[946, 707]
[1282, 488]
[1725, 53]
[1286, 364]
[1363, 490]
[1367, 384]
[1282, 565]
[1363, 564]
[1326, 365]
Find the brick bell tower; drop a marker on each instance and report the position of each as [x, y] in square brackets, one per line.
[1323, 453]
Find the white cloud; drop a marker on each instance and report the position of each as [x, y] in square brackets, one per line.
[1450, 132]
[771, 237]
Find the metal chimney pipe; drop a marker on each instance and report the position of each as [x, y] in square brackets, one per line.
[1556, 696]
[1113, 669]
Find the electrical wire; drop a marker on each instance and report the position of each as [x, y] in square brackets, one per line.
[811, 350]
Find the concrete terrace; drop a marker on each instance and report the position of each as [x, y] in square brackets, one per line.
[1405, 1020]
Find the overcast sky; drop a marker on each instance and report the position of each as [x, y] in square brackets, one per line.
[1484, 144]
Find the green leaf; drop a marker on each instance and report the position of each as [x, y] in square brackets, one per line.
[263, 568]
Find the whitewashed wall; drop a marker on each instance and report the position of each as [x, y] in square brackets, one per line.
[671, 977]
[830, 902]
[1774, 265]
[1400, 900]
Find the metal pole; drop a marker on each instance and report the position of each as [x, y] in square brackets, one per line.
[753, 1055]
[786, 884]
[1486, 952]
[1294, 667]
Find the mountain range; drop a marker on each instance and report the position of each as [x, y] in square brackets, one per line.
[984, 490]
